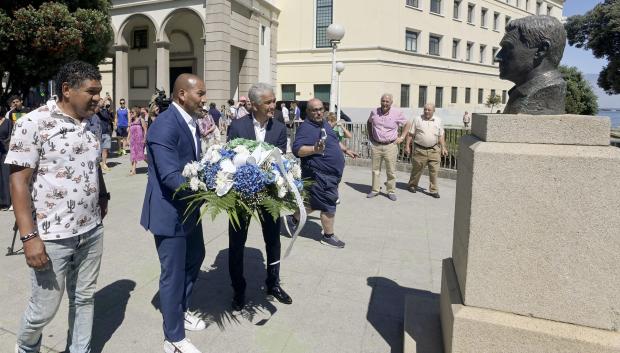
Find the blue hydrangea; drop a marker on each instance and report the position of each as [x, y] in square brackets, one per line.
[299, 184]
[210, 174]
[270, 177]
[227, 154]
[249, 180]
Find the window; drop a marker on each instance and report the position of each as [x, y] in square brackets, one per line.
[411, 41]
[323, 20]
[404, 96]
[549, 8]
[467, 95]
[288, 92]
[538, 8]
[483, 49]
[438, 97]
[262, 35]
[436, 6]
[480, 95]
[322, 92]
[483, 18]
[413, 3]
[518, 3]
[422, 97]
[456, 11]
[495, 50]
[470, 13]
[508, 18]
[470, 46]
[433, 45]
[496, 21]
[453, 94]
[504, 96]
[492, 93]
[527, 5]
[140, 39]
[455, 48]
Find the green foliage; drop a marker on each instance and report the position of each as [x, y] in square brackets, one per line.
[579, 96]
[598, 30]
[42, 36]
[492, 101]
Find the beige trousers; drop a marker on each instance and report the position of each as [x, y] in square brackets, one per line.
[422, 157]
[387, 153]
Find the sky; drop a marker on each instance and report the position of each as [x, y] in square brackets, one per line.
[583, 59]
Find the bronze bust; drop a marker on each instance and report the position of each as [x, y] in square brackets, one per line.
[531, 52]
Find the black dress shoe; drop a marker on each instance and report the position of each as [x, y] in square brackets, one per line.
[413, 189]
[435, 195]
[238, 301]
[279, 293]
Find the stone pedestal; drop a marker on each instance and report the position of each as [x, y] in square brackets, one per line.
[536, 238]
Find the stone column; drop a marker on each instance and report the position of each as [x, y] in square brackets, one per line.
[121, 77]
[534, 263]
[217, 51]
[163, 66]
[249, 69]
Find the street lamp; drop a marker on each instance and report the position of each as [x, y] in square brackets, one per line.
[339, 70]
[335, 32]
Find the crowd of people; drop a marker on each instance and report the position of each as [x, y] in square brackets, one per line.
[63, 242]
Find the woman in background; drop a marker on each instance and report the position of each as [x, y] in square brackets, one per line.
[136, 135]
[6, 125]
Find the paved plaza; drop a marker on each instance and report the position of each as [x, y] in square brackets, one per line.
[349, 300]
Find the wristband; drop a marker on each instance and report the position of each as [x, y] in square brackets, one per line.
[29, 236]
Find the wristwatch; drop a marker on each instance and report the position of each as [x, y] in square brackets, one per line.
[105, 196]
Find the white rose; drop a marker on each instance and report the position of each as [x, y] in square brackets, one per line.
[296, 170]
[241, 150]
[194, 184]
[191, 170]
[215, 157]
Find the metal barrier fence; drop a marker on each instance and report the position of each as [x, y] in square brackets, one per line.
[361, 145]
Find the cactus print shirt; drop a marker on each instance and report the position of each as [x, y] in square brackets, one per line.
[64, 155]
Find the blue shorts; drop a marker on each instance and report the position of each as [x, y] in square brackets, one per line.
[323, 192]
[121, 131]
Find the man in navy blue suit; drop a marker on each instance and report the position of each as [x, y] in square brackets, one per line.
[259, 125]
[173, 141]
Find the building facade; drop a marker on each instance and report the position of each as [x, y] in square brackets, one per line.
[230, 43]
[420, 51]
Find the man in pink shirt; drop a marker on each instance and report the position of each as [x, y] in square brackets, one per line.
[383, 124]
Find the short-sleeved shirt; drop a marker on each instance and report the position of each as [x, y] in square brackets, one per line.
[65, 184]
[384, 127]
[425, 132]
[122, 117]
[331, 161]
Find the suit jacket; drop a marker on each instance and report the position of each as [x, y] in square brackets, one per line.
[170, 147]
[244, 128]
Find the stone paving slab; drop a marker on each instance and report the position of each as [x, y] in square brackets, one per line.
[348, 300]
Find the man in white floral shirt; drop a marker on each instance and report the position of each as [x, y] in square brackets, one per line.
[60, 199]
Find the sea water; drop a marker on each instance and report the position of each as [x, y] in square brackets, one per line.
[613, 115]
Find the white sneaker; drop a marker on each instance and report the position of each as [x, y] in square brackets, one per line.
[194, 323]
[183, 346]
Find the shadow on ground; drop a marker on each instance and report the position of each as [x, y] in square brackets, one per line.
[212, 296]
[386, 311]
[110, 305]
[361, 188]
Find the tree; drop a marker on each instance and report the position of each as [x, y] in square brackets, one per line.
[492, 101]
[41, 39]
[579, 96]
[599, 30]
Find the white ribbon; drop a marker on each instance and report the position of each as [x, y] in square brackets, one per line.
[277, 156]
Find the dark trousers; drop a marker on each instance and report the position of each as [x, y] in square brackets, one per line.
[180, 259]
[236, 246]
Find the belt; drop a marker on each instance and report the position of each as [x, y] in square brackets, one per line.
[425, 148]
[385, 143]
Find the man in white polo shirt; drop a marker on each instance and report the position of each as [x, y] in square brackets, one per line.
[429, 145]
[55, 172]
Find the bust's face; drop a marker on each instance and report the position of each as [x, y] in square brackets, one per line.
[516, 60]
